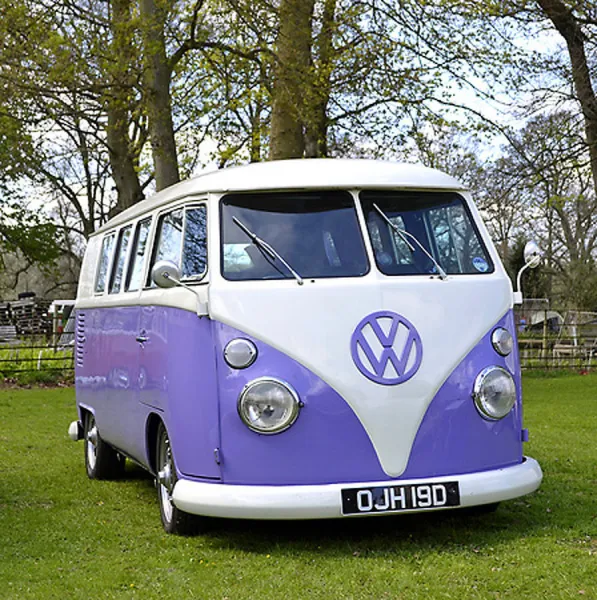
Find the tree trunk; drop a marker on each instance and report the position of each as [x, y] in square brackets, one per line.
[292, 70]
[157, 89]
[317, 120]
[122, 159]
[255, 147]
[124, 173]
[569, 28]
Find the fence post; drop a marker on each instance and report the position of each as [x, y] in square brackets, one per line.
[544, 341]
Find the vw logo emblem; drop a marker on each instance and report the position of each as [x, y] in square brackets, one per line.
[386, 348]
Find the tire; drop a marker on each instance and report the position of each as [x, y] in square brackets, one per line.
[101, 460]
[174, 520]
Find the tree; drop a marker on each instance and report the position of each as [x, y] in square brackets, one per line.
[158, 74]
[577, 24]
[553, 78]
[120, 101]
[291, 79]
[549, 162]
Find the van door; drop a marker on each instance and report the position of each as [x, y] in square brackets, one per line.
[177, 373]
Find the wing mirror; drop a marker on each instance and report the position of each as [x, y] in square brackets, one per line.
[532, 254]
[532, 259]
[166, 274]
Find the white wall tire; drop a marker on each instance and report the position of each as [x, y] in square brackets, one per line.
[174, 520]
[101, 460]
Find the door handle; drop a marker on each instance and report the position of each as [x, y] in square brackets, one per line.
[141, 339]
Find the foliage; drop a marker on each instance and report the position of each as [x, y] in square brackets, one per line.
[100, 102]
[547, 167]
[30, 234]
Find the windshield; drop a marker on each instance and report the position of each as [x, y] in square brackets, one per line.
[317, 233]
[441, 223]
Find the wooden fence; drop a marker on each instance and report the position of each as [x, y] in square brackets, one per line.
[549, 338]
[36, 336]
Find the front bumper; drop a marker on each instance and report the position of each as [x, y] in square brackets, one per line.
[324, 501]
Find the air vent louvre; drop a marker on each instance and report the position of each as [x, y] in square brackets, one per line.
[80, 339]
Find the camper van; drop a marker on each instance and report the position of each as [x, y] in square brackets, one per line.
[302, 339]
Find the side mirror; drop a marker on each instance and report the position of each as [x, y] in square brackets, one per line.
[165, 274]
[532, 259]
[532, 254]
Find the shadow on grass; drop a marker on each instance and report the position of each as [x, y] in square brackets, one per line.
[446, 530]
[552, 511]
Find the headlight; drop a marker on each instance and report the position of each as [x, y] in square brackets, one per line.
[268, 406]
[494, 393]
[502, 341]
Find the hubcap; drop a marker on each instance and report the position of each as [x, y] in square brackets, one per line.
[92, 446]
[165, 479]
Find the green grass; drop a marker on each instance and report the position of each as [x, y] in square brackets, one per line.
[27, 365]
[63, 536]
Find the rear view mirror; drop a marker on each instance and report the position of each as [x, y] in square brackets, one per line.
[165, 274]
[532, 254]
[532, 259]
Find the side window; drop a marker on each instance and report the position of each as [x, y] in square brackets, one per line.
[135, 273]
[169, 239]
[121, 253]
[104, 262]
[182, 238]
[194, 252]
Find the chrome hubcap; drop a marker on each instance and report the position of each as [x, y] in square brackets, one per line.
[165, 479]
[92, 446]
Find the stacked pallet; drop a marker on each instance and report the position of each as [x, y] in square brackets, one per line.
[5, 319]
[30, 316]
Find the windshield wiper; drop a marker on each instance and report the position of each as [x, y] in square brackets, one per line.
[404, 235]
[267, 249]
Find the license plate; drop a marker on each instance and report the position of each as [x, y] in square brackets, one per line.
[396, 498]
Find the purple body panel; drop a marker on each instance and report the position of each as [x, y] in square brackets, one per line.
[172, 374]
[179, 374]
[178, 377]
[108, 380]
[326, 444]
[452, 437]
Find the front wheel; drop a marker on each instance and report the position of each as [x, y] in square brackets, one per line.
[101, 460]
[174, 520]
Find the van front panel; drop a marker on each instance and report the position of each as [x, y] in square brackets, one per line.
[328, 443]
[315, 323]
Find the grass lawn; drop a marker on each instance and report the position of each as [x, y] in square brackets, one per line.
[63, 536]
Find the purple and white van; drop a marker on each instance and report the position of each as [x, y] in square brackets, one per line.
[300, 340]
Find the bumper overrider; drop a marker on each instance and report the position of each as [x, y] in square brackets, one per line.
[337, 500]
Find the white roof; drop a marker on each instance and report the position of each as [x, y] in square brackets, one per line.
[298, 174]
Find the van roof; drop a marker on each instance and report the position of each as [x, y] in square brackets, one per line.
[297, 174]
